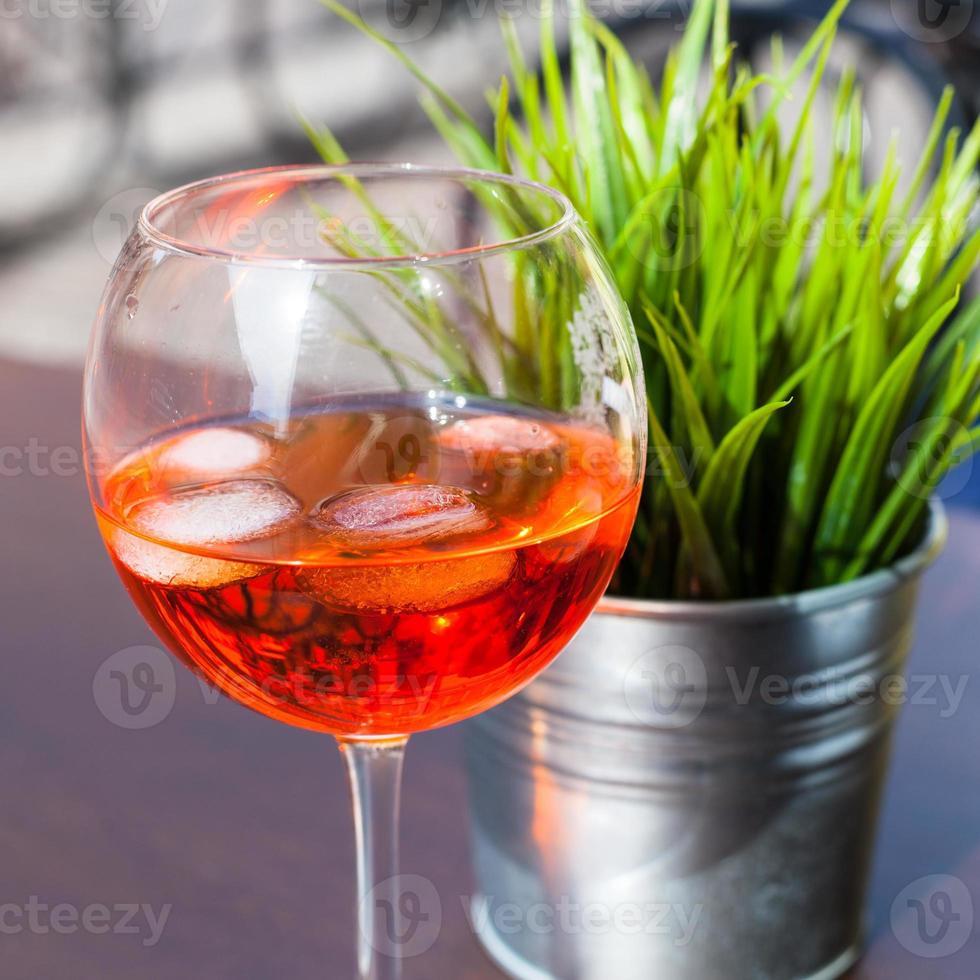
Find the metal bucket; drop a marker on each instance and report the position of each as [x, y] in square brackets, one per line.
[690, 792]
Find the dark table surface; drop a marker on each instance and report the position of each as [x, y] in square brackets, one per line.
[225, 838]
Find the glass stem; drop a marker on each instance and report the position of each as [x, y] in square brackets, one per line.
[374, 770]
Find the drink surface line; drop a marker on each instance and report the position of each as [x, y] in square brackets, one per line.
[385, 558]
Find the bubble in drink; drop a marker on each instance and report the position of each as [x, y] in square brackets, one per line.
[392, 517]
[224, 513]
[177, 569]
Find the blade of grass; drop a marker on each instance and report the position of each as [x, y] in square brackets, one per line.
[720, 492]
[710, 576]
[853, 489]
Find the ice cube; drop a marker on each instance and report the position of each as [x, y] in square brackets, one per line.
[167, 566]
[512, 462]
[421, 587]
[223, 513]
[211, 452]
[574, 506]
[499, 434]
[382, 517]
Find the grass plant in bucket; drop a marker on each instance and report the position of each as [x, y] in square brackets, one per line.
[812, 372]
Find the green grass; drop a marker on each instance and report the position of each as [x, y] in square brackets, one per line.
[792, 331]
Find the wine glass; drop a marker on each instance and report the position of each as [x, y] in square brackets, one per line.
[366, 445]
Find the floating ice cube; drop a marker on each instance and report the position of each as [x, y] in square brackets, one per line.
[391, 517]
[223, 513]
[421, 587]
[577, 507]
[167, 566]
[213, 452]
[499, 434]
[382, 517]
[511, 462]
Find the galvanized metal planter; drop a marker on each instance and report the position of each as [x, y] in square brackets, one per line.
[691, 791]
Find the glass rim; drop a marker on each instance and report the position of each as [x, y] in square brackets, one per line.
[149, 229]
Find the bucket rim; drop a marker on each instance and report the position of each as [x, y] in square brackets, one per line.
[807, 602]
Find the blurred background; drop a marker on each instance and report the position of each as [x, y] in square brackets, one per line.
[104, 103]
[236, 822]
